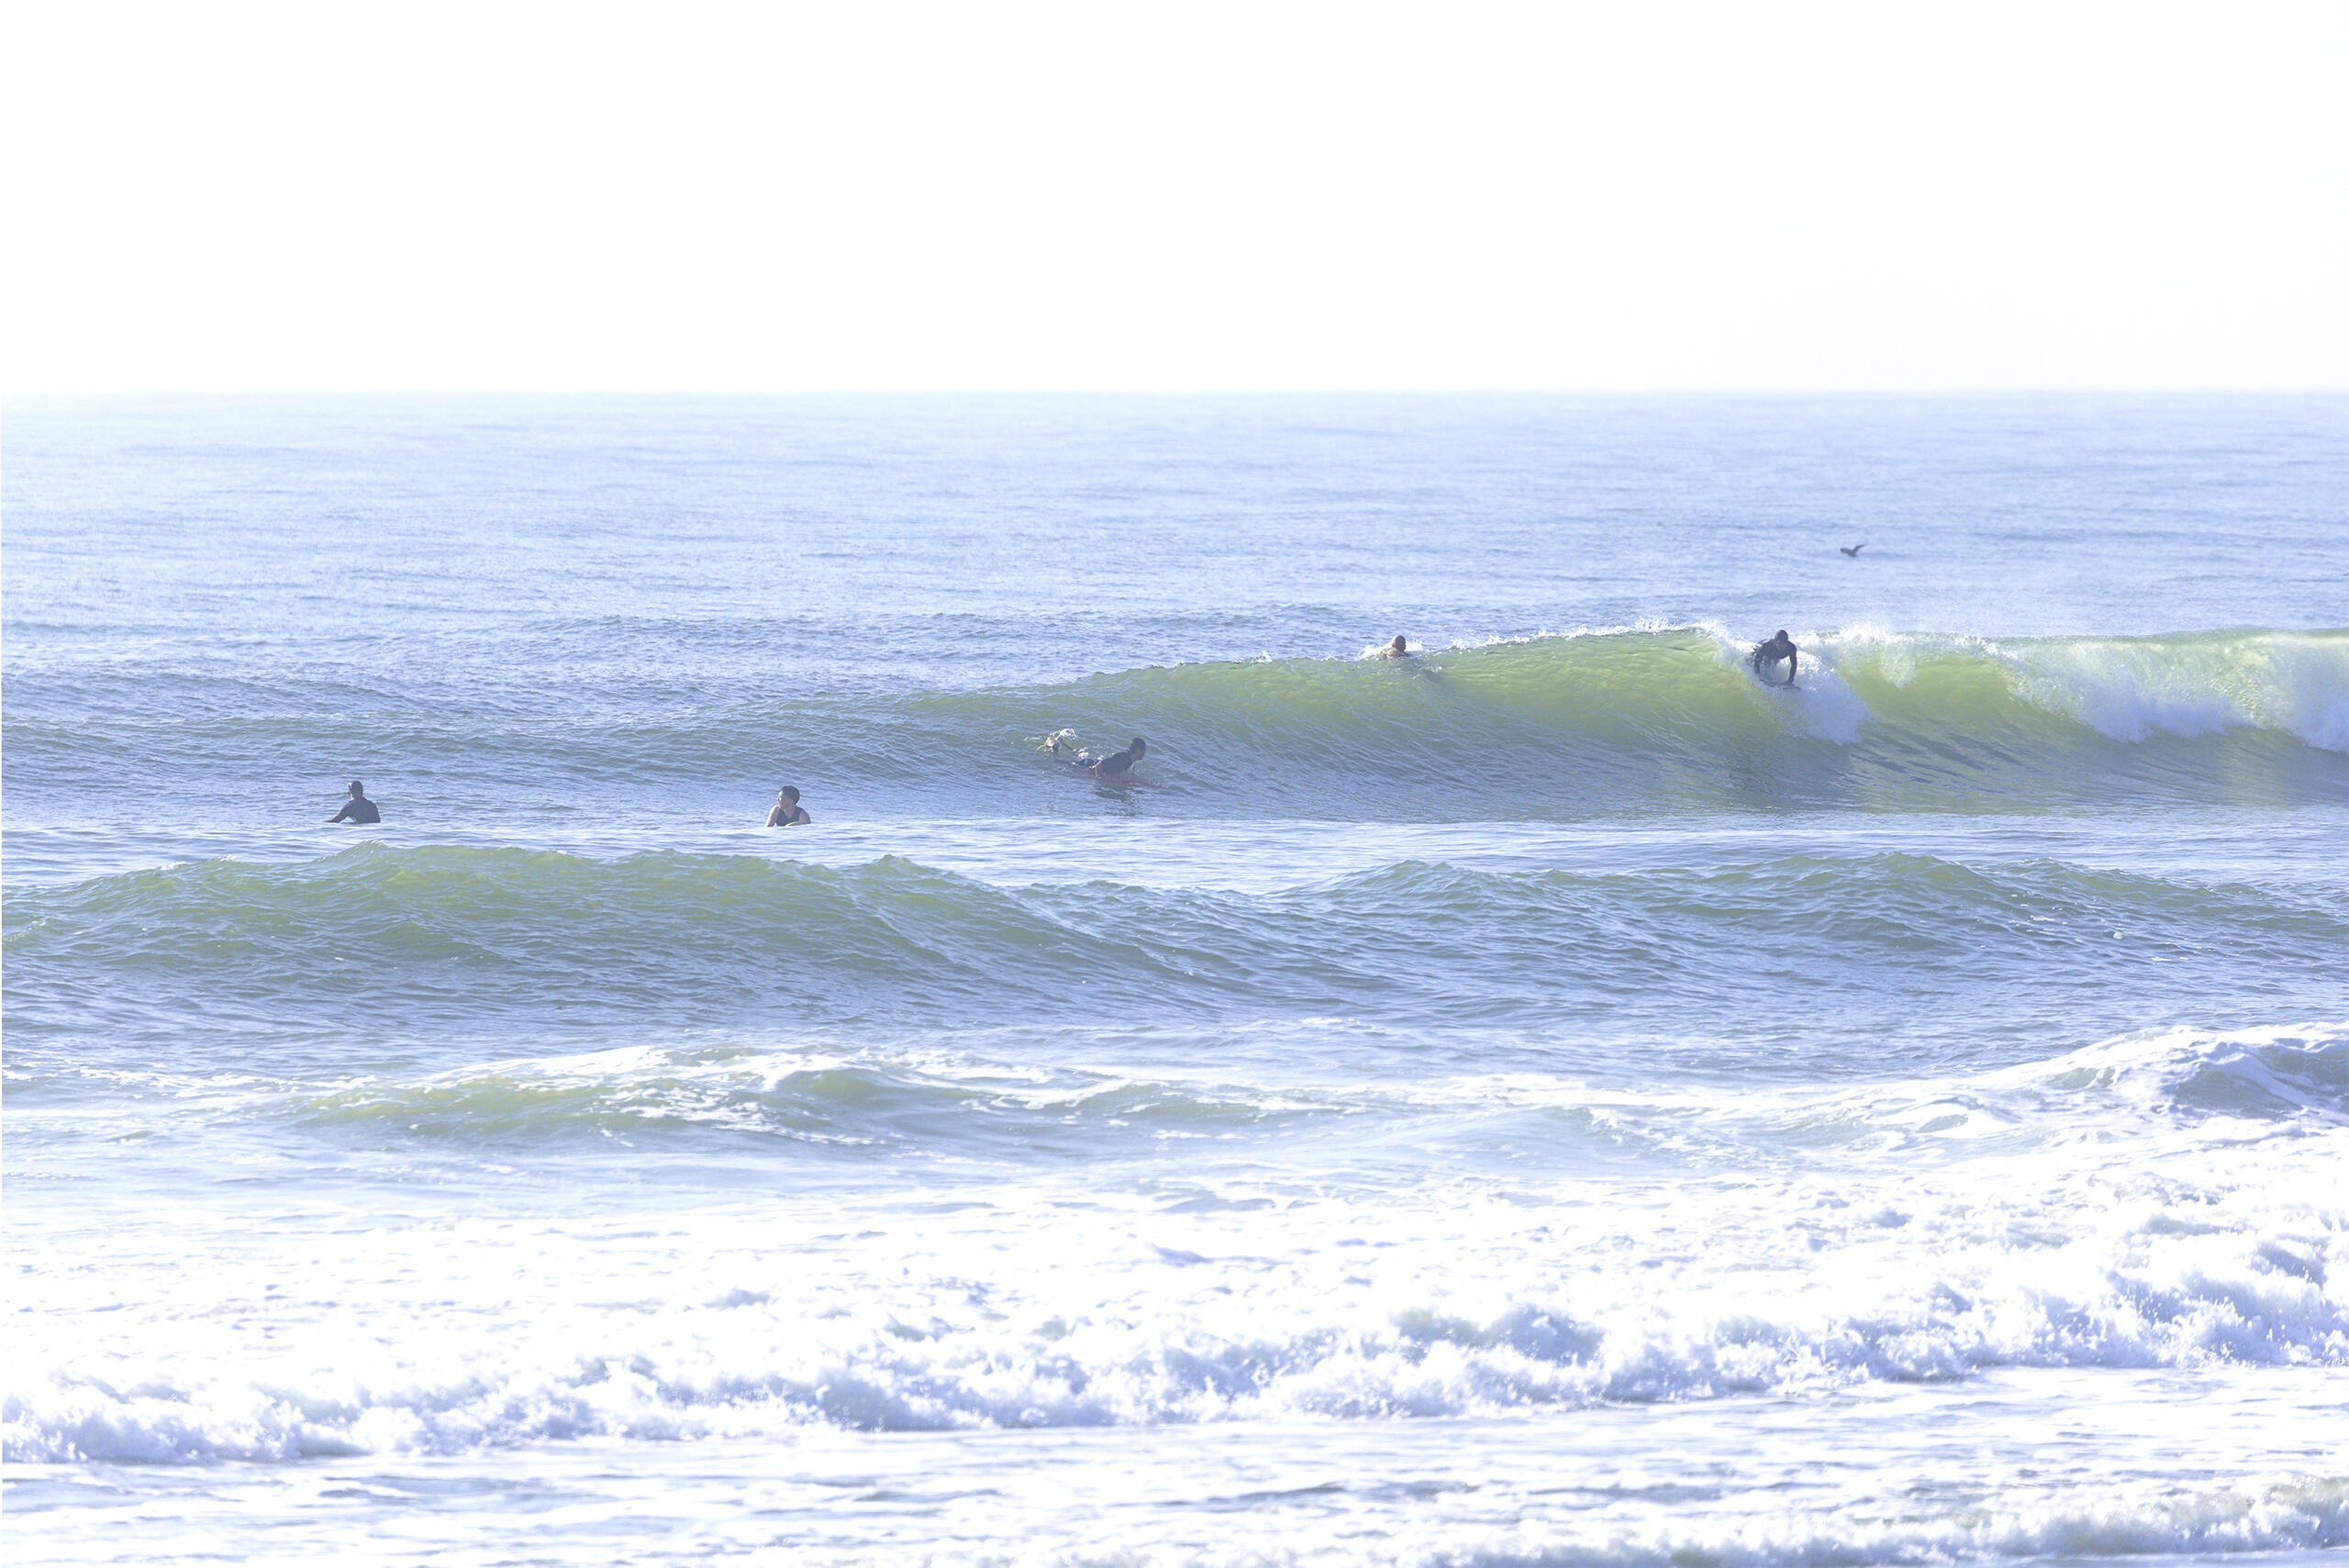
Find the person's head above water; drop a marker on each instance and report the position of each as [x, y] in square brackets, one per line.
[358, 809]
[789, 793]
[1781, 637]
[1139, 746]
[1397, 646]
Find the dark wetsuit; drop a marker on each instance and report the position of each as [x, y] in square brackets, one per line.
[1115, 765]
[1767, 656]
[360, 810]
[775, 819]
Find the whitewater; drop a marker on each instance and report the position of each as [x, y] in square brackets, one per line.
[1549, 1100]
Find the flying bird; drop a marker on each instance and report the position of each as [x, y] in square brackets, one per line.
[1854, 550]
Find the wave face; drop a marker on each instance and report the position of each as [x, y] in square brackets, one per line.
[1640, 722]
[483, 940]
[1669, 719]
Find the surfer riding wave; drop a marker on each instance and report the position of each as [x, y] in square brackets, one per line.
[1767, 657]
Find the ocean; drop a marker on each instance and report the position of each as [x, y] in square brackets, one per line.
[1547, 1100]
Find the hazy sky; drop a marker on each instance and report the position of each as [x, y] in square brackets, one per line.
[1625, 195]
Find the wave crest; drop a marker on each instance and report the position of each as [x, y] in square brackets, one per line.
[458, 935]
[1644, 721]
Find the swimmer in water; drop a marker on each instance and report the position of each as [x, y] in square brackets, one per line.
[1395, 649]
[1766, 655]
[1117, 767]
[787, 812]
[358, 809]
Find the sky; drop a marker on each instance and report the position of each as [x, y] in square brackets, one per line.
[1787, 196]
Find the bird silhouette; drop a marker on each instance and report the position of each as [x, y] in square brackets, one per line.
[1854, 550]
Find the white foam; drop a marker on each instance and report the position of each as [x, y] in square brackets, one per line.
[2128, 690]
[2310, 684]
[2270, 1514]
[1820, 704]
[2173, 1199]
[1058, 1308]
[2131, 689]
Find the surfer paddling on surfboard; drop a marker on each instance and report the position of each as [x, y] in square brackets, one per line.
[1117, 767]
[1765, 656]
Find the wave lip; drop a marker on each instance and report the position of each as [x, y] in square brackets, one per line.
[1650, 720]
[2281, 1078]
[449, 936]
[1674, 687]
[2275, 1073]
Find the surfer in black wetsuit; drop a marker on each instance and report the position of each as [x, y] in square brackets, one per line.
[1117, 767]
[787, 812]
[1766, 657]
[358, 809]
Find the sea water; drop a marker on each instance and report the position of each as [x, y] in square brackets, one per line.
[1550, 1099]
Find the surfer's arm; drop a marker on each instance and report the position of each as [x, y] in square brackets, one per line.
[1794, 662]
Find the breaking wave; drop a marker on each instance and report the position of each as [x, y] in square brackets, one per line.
[1650, 720]
[1797, 1275]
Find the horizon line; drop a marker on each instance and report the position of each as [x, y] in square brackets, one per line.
[1956, 390]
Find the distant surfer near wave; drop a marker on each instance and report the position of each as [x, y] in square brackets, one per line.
[1395, 649]
[787, 811]
[1117, 767]
[1765, 656]
[358, 809]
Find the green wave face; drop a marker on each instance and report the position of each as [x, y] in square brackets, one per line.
[1660, 721]
[1673, 718]
[462, 941]
[1666, 686]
